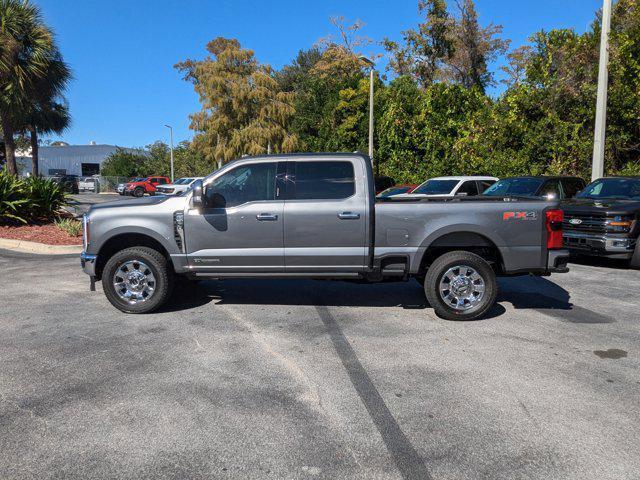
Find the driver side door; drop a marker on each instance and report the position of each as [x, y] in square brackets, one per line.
[240, 227]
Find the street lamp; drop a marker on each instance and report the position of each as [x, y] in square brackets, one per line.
[371, 64]
[171, 140]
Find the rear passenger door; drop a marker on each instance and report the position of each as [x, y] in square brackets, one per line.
[326, 216]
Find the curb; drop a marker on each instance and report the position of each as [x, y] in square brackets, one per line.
[24, 246]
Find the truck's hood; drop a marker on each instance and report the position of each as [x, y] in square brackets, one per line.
[135, 202]
[611, 206]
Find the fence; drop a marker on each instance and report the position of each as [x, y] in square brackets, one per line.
[110, 184]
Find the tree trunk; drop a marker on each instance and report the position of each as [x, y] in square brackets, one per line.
[9, 145]
[34, 152]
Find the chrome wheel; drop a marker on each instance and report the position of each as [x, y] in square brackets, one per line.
[462, 287]
[134, 282]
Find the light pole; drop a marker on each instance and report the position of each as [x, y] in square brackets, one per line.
[171, 147]
[371, 64]
[597, 167]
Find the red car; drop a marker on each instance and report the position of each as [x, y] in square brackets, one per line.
[140, 186]
[398, 189]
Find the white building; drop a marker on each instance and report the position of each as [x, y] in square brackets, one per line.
[65, 159]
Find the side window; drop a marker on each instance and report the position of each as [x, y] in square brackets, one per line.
[324, 180]
[571, 186]
[484, 184]
[551, 187]
[469, 187]
[246, 183]
[162, 181]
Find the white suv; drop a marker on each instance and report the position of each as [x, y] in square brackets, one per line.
[451, 186]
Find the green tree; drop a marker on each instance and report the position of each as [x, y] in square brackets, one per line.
[243, 109]
[26, 51]
[474, 48]
[45, 110]
[124, 163]
[426, 48]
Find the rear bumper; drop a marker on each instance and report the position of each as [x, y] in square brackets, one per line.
[88, 263]
[613, 246]
[557, 261]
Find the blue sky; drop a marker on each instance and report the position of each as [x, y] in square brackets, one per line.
[122, 52]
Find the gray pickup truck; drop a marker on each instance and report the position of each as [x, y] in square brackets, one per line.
[316, 216]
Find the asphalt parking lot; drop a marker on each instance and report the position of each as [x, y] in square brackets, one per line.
[315, 379]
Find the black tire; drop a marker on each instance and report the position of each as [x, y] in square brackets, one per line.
[160, 269]
[437, 271]
[635, 259]
[138, 192]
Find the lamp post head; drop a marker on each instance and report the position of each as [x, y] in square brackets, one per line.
[367, 60]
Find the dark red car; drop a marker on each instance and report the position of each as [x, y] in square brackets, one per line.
[140, 186]
[396, 190]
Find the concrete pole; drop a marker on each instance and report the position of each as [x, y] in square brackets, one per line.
[371, 117]
[597, 168]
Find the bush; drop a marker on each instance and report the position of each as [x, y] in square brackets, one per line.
[29, 199]
[11, 198]
[69, 225]
[45, 197]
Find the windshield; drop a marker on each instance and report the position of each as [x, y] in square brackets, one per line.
[393, 191]
[436, 187]
[182, 181]
[627, 188]
[514, 186]
[138, 180]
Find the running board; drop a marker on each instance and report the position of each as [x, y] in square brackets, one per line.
[277, 275]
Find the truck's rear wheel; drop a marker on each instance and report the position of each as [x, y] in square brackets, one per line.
[635, 259]
[137, 280]
[460, 286]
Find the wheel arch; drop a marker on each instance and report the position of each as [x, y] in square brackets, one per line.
[122, 240]
[466, 240]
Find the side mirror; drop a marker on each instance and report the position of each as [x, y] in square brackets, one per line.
[197, 199]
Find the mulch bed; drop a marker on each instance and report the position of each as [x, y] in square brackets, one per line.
[46, 233]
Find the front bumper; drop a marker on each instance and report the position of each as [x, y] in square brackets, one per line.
[614, 246]
[88, 263]
[557, 261]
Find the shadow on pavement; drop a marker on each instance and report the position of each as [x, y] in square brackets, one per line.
[526, 292]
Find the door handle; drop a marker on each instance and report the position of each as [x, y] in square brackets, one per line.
[348, 216]
[267, 217]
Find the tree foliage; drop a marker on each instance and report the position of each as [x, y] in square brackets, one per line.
[243, 109]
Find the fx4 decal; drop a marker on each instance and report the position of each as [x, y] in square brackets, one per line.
[506, 216]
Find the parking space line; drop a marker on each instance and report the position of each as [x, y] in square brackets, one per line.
[404, 455]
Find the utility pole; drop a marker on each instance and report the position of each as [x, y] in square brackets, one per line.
[171, 146]
[371, 74]
[597, 168]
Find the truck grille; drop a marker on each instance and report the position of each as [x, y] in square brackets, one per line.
[587, 223]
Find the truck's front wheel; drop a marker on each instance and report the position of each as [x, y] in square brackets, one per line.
[137, 280]
[460, 286]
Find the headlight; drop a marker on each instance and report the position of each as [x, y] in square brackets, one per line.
[620, 223]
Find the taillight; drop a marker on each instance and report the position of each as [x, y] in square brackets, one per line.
[554, 229]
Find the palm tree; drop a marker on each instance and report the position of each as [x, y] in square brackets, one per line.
[44, 109]
[48, 117]
[26, 51]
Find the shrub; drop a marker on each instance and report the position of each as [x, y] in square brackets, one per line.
[45, 197]
[11, 198]
[69, 225]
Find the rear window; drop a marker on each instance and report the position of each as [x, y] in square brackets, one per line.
[324, 180]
